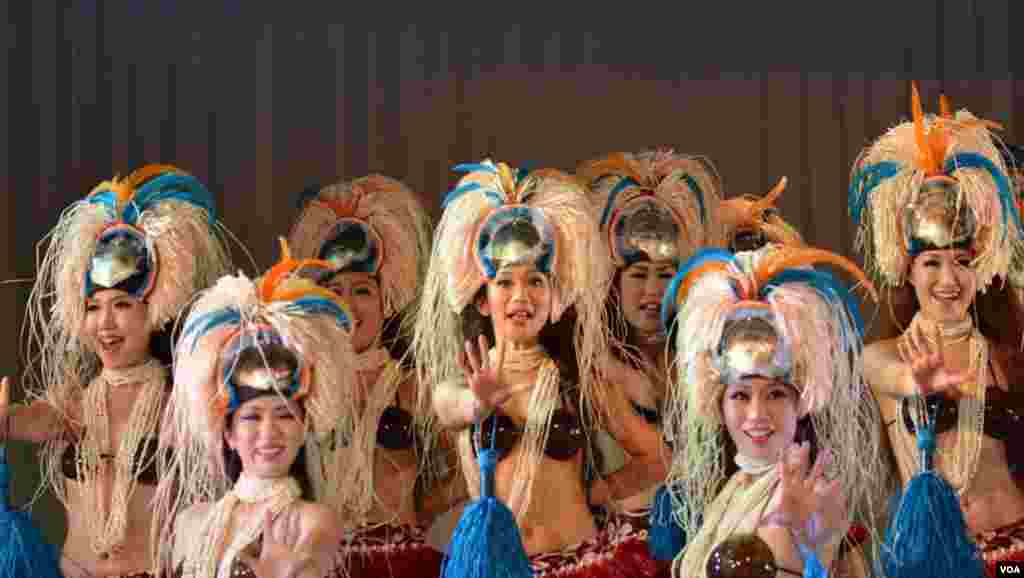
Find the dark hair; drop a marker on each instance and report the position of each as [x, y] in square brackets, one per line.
[997, 314]
[623, 338]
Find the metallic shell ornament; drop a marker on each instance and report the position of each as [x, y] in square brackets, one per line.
[257, 339]
[752, 346]
[124, 259]
[936, 220]
[515, 235]
[352, 246]
[645, 228]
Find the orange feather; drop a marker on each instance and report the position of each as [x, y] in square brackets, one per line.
[788, 257]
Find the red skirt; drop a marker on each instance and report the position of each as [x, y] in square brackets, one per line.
[389, 552]
[618, 551]
[1001, 546]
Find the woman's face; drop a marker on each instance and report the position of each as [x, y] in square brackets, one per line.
[641, 287]
[760, 415]
[117, 327]
[361, 292]
[266, 431]
[518, 301]
[944, 283]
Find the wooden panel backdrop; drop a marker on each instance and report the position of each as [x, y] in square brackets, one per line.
[260, 111]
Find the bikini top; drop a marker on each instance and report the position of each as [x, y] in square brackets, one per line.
[146, 452]
[395, 430]
[1004, 412]
[565, 438]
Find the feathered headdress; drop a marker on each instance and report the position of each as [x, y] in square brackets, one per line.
[153, 234]
[937, 182]
[373, 224]
[498, 216]
[769, 313]
[283, 307]
[655, 205]
[750, 222]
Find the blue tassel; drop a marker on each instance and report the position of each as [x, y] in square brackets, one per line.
[813, 567]
[928, 537]
[486, 543]
[23, 550]
[666, 537]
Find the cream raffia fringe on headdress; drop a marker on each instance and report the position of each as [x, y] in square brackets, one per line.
[825, 344]
[579, 277]
[688, 185]
[312, 322]
[887, 177]
[395, 215]
[185, 239]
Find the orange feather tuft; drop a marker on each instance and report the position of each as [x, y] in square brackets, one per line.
[613, 164]
[788, 257]
[147, 172]
[691, 278]
[945, 107]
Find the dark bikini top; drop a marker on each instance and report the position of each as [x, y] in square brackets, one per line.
[565, 438]
[395, 430]
[1004, 412]
[146, 452]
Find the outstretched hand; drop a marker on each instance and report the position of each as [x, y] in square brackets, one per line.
[484, 378]
[927, 364]
[810, 505]
[276, 558]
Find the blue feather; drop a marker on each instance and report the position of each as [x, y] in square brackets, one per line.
[170, 186]
[864, 181]
[474, 167]
[813, 567]
[487, 543]
[666, 538]
[700, 196]
[106, 198]
[618, 188]
[320, 306]
[826, 284]
[668, 300]
[210, 320]
[23, 549]
[977, 161]
[468, 187]
[306, 195]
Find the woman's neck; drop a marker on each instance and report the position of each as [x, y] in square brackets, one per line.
[952, 331]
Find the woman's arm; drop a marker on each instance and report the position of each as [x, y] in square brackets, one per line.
[642, 441]
[37, 422]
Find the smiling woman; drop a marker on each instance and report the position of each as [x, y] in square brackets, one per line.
[119, 266]
[941, 226]
[259, 380]
[517, 265]
[769, 347]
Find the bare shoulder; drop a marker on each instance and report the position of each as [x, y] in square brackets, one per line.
[318, 522]
[634, 383]
[880, 354]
